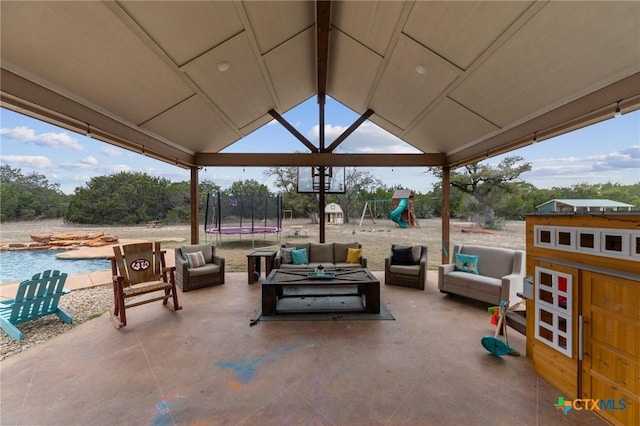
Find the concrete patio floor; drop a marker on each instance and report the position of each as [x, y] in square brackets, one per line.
[204, 365]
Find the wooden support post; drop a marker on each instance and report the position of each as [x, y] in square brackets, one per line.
[195, 202]
[446, 173]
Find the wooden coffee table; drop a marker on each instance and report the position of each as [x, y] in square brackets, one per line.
[281, 281]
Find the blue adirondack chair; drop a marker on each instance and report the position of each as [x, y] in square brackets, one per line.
[37, 297]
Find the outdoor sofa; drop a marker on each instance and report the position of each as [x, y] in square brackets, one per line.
[329, 255]
[489, 274]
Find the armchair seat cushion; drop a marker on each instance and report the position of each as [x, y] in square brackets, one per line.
[207, 269]
[405, 269]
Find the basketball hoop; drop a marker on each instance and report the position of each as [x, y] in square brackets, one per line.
[315, 177]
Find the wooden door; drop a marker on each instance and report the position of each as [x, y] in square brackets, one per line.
[611, 346]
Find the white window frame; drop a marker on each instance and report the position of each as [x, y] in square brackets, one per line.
[555, 310]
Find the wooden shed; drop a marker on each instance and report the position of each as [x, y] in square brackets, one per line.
[333, 214]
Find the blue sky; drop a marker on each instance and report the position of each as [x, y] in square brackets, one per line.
[605, 152]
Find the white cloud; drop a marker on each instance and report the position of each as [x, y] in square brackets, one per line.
[368, 138]
[628, 158]
[91, 161]
[53, 140]
[111, 151]
[34, 161]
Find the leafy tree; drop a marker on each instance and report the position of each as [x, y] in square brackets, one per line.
[124, 198]
[250, 186]
[287, 182]
[482, 182]
[358, 184]
[28, 197]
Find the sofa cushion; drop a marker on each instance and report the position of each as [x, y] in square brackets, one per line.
[297, 246]
[353, 255]
[293, 266]
[285, 254]
[321, 253]
[206, 249]
[467, 263]
[300, 257]
[343, 265]
[464, 280]
[340, 251]
[497, 263]
[402, 256]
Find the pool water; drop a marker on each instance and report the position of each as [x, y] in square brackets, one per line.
[22, 265]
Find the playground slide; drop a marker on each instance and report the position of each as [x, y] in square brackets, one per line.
[395, 214]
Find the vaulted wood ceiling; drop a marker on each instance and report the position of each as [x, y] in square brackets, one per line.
[459, 81]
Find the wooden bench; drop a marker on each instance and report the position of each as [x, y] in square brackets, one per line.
[35, 298]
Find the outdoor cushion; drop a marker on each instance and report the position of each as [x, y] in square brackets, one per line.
[405, 269]
[285, 253]
[353, 255]
[208, 269]
[340, 251]
[299, 257]
[195, 260]
[402, 256]
[467, 263]
[204, 248]
[321, 253]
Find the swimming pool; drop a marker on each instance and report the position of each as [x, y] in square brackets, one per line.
[22, 265]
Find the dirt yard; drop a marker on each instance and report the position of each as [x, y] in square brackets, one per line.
[376, 238]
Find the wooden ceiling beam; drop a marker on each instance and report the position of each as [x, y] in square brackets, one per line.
[323, 23]
[318, 159]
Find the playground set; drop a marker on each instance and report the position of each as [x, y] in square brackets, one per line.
[242, 214]
[402, 209]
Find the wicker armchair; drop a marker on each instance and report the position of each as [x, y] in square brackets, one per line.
[189, 277]
[406, 266]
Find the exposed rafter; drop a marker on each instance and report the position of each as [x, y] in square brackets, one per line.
[280, 119]
[364, 117]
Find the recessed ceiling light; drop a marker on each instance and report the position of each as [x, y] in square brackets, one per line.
[421, 69]
[223, 66]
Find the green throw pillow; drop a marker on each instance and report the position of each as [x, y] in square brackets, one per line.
[300, 257]
[467, 263]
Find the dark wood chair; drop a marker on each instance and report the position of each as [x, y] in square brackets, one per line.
[191, 277]
[139, 270]
[406, 266]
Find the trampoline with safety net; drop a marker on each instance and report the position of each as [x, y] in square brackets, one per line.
[243, 214]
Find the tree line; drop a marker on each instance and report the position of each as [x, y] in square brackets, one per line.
[483, 193]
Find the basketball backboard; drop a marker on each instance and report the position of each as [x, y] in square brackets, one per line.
[309, 180]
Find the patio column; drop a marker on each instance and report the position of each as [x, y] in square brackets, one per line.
[195, 202]
[446, 171]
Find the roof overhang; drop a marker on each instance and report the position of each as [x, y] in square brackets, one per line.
[181, 81]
